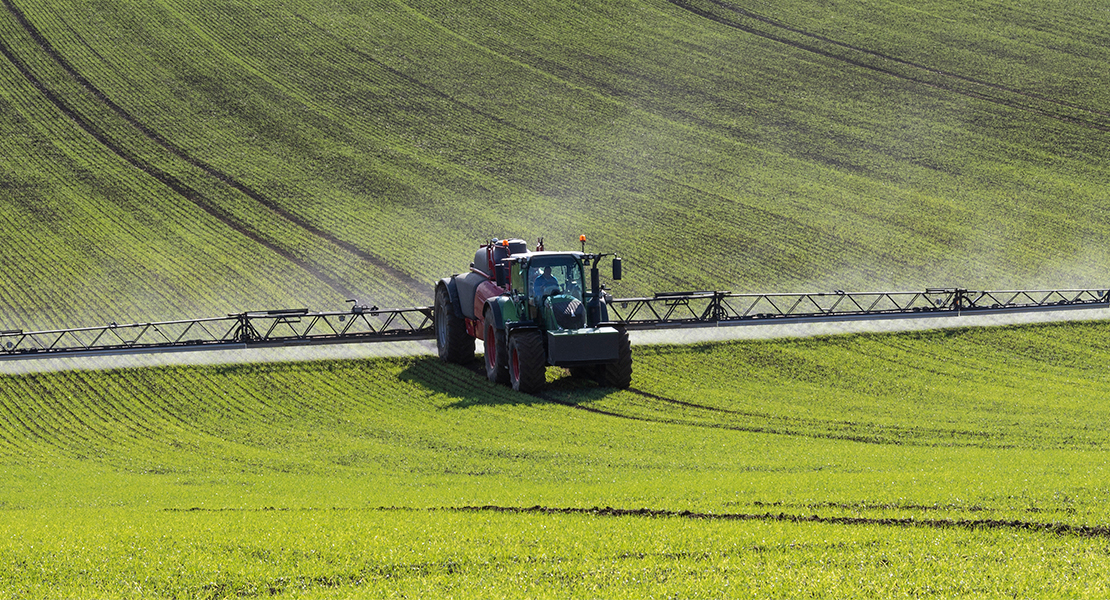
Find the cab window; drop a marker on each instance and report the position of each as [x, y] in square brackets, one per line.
[562, 277]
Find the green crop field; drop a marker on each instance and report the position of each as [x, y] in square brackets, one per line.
[184, 158]
[165, 159]
[959, 463]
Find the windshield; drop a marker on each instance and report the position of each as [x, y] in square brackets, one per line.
[554, 275]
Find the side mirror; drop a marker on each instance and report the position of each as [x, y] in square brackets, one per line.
[617, 269]
[501, 274]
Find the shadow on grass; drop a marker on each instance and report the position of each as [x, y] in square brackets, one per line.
[467, 385]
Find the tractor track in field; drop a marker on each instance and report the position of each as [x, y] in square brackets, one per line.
[884, 435]
[1087, 531]
[1091, 531]
[727, 426]
[185, 191]
[688, 6]
[179, 187]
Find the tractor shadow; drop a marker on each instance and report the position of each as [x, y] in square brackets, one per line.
[468, 386]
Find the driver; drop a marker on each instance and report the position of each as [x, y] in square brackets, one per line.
[544, 282]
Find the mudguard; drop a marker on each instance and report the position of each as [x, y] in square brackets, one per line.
[453, 294]
[467, 285]
[504, 311]
[494, 308]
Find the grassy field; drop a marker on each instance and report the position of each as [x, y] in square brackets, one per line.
[939, 464]
[187, 157]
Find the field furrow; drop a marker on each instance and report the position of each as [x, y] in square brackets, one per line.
[166, 177]
[83, 236]
[56, 426]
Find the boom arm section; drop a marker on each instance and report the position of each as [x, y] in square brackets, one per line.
[262, 329]
[707, 308]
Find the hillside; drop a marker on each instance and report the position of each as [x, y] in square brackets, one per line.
[192, 157]
[939, 464]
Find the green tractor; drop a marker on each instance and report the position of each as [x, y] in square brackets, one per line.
[531, 310]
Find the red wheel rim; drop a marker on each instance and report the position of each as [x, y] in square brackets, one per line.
[491, 347]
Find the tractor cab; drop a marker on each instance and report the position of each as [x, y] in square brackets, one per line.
[552, 288]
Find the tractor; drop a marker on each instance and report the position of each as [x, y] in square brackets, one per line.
[532, 309]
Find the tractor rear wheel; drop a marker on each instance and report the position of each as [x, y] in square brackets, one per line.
[497, 352]
[618, 374]
[527, 361]
[452, 341]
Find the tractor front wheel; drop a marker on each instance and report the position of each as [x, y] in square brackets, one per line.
[497, 352]
[527, 361]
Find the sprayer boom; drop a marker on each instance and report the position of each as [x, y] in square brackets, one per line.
[299, 327]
